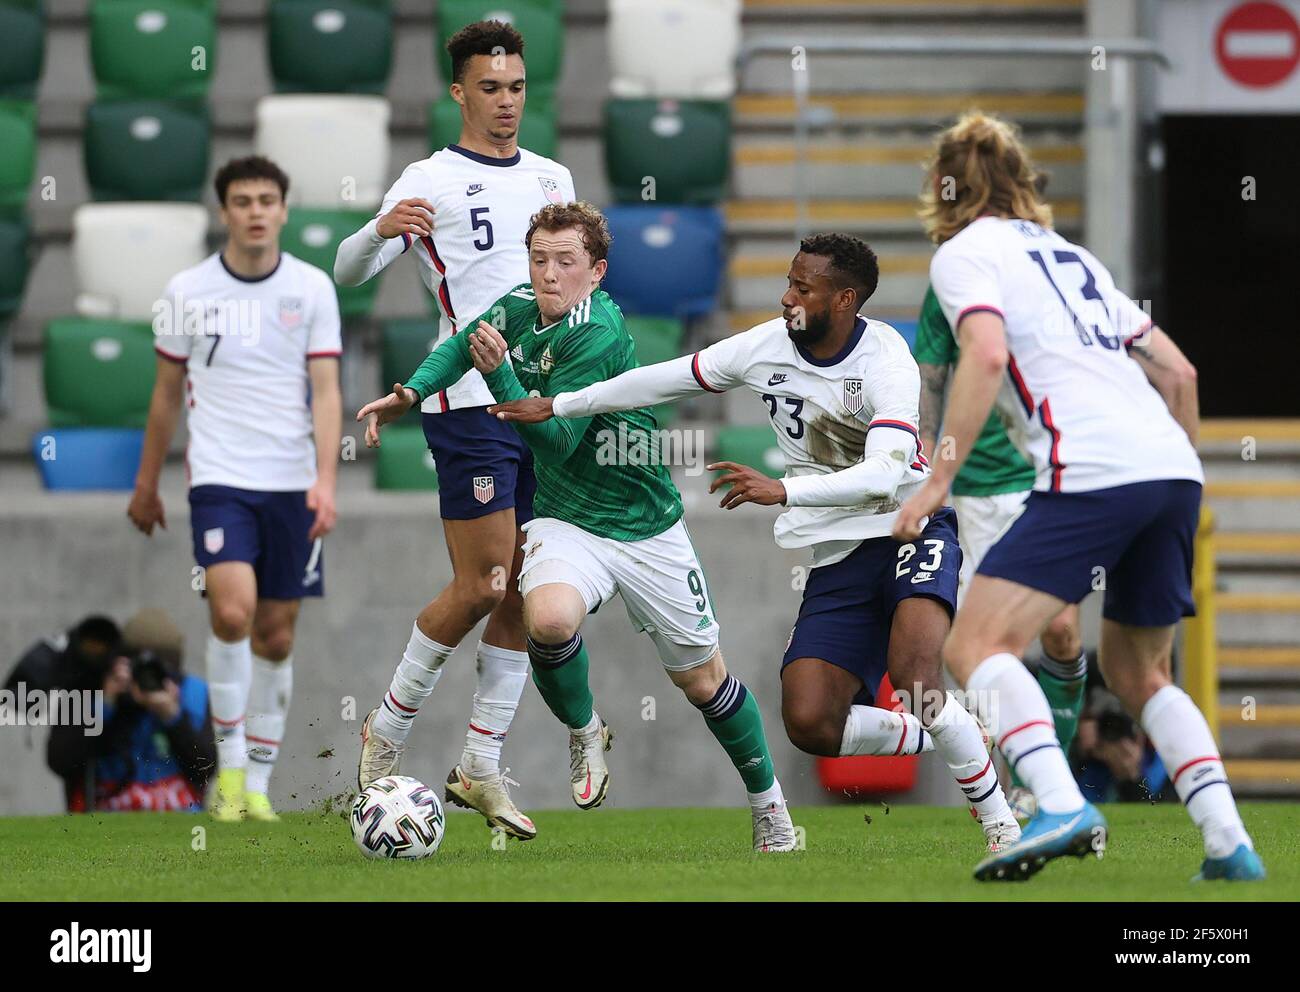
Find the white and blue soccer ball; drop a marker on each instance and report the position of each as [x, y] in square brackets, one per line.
[398, 817]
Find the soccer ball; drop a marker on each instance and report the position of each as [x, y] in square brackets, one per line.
[397, 817]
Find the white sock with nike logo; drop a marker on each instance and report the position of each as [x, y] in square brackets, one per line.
[502, 675]
[877, 731]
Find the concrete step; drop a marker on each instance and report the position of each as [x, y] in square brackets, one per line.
[869, 166]
[1264, 619]
[870, 216]
[915, 9]
[1241, 442]
[1058, 108]
[1264, 777]
[1259, 666]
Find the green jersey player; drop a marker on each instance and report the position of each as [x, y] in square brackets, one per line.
[603, 525]
[988, 494]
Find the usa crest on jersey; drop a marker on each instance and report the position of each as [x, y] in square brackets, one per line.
[290, 312]
[551, 189]
[484, 488]
[853, 395]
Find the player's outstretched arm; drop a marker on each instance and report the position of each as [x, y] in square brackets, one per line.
[441, 368]
[146, 508]
[1173, 376]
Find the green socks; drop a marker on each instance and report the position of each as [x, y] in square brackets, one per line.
[560, 674]
[732, 717]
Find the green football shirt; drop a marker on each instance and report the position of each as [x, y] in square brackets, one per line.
[601, 473]
[994, 465]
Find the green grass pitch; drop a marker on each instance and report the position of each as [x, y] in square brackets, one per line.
[907, 853]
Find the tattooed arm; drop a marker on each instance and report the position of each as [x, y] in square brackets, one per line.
[933, 380]
[1171, 373]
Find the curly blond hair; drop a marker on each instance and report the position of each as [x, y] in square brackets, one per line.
[980, 167]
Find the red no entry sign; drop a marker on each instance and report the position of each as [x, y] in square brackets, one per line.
[1258, 44]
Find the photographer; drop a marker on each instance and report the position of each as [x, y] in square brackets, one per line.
[1117, 762]
[156, 751]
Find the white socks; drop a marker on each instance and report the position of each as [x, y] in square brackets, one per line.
[502, 675]
[876, 731]
[1183, 740]
[760, 801]
[958, 739]
[229, 676]
[416, 675]
[1024, 731]
[268, 707]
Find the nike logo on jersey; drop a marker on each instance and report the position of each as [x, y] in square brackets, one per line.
[474, 188]
[777, 378]
[920, 577]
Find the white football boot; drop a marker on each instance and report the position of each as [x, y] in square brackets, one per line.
[774, 830]
[588, 773]
[1001, 834]
[379, 755]
[491, 798]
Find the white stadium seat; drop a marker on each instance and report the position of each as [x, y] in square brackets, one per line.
[334, 148]
[680, 49]
[124, 253]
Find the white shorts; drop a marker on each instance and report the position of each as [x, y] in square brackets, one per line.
[981, 520]
[660, 579]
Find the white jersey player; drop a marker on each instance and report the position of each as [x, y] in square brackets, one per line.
[841, 392]
[463, 214]
[244, 338]
[1044, 332]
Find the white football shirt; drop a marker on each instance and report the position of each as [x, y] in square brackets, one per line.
[482, 207]
[1073, 400]
[245, 344]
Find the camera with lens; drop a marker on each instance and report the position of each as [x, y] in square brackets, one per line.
[147, 670]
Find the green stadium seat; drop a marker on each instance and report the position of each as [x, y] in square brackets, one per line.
[658, 339]
[330, 46]
[538, 132]
[752, 446]
[17, 154]
[314, 236]
[685, 145]
[403, 460]
[541, 22]
[405, 345]
[98, 373]
[22, 49]
[147, 48]
[13, 264]
[146, 149]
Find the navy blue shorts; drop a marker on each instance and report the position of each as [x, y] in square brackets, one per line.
[267, 530]
[1134, 541]
[848, 607]
[483, 465]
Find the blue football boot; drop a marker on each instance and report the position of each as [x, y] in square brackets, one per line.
[1242, 865]
[1047, 836]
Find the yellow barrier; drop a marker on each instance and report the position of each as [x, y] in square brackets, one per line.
[1200, 640]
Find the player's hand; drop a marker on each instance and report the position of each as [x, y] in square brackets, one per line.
[413, 216]
[385, 410]
[533, 410]
[320, 499]
[914, 514]
[146, 510]
[487, 347]
[748, 485]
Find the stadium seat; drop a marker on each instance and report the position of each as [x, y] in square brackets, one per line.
[115, 358]
[538, 132]
[658, 339]
[406, 343]
[403, 459]
[673, 48]
[124, 254]
[541, 22]
[164, 49]
[665, 261]
[330, 46]
[146, 149]
[752, 446]
[314, 236]
[17, 154]
[22, 49]
[685, 146]
[14, 264]
[81, 458]
[335, 147]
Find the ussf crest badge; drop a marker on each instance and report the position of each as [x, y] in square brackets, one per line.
[551, 190]
[290, 312]
[853, 395]
[484, 488]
